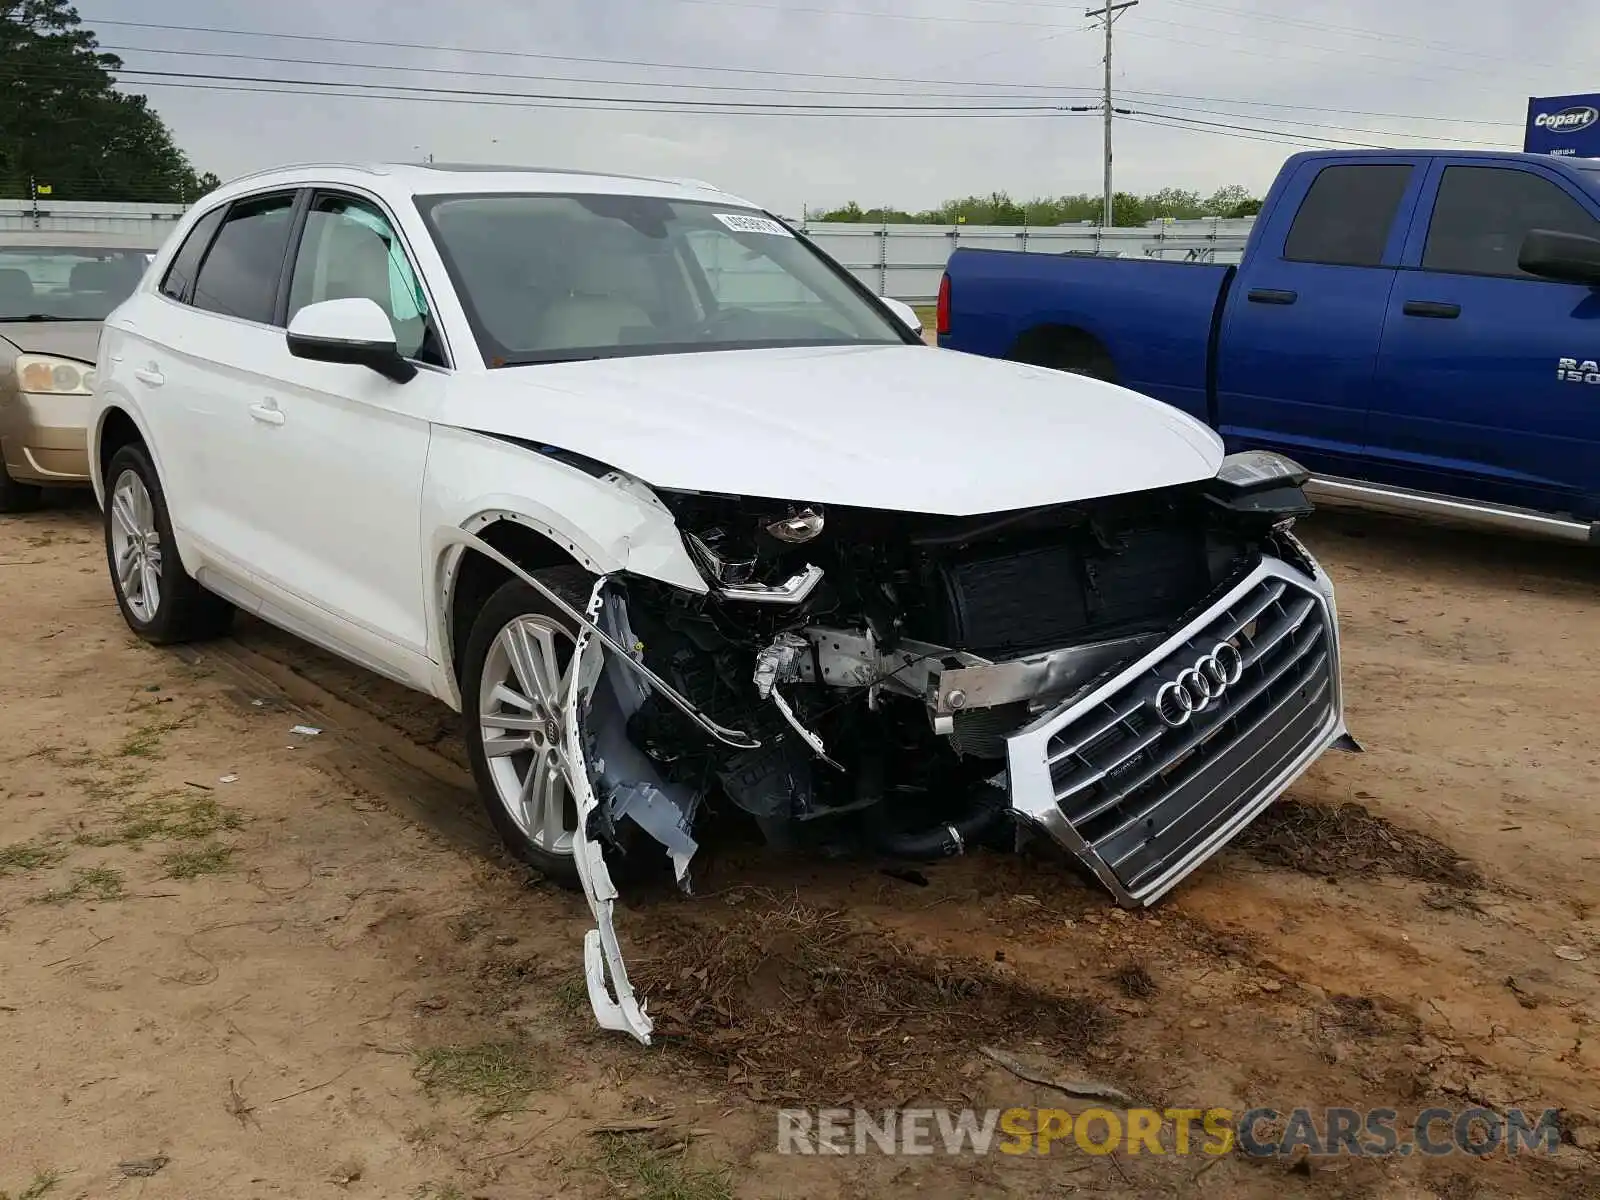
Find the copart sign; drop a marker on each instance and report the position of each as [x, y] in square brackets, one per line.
[1566, 126]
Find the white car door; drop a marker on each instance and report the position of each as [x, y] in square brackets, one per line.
[337, 452]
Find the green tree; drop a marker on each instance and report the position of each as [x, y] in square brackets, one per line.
[65, 126]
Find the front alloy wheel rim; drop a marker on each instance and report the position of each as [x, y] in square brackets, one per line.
[521, 696]
[136, 546]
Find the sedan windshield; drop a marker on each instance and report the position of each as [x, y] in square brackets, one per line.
[66, 283]
[553, 278]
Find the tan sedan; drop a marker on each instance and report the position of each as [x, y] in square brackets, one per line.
[52, 300]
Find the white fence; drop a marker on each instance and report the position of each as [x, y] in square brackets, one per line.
[905, 261]
[136, 226]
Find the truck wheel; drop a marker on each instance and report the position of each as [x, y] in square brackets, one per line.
[17, 497]
[158, 598]
[516, 674]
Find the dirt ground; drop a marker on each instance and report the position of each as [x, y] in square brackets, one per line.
[240, 961]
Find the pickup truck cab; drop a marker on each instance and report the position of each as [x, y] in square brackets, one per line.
[1421, 330]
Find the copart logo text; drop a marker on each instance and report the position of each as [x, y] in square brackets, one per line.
[1568, 120]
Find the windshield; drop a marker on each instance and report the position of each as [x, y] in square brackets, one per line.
[552, 278]
[66, 283]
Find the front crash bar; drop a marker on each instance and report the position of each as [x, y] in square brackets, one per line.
[736, 738]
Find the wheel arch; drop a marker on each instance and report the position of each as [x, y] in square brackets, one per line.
[1063, 346]
[115, 426]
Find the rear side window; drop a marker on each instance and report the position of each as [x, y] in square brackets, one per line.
[1346, 217]
[239, 276]
[186, 262]
[1483, 213]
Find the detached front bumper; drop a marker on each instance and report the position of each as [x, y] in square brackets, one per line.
[1143, 801]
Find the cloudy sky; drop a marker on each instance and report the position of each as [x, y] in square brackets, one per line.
[1362, 71]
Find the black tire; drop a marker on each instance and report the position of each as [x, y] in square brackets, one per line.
[514, 599]
[18, 497]
[184, 611]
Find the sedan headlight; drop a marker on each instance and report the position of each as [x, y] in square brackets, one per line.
[45, 375]
[1261, 468]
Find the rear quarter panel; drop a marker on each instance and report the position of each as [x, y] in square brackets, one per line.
[1153, 318]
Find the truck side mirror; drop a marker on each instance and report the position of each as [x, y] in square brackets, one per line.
[1568, 257]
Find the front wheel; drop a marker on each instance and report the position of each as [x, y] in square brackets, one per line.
[158, 598]
[517, 673]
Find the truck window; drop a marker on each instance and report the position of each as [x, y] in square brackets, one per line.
[1483, 213]
[1346, 216]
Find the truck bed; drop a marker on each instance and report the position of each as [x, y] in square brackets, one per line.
[1005, 304]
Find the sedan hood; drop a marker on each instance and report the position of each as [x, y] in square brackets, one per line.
[906, 428]
[67, 339]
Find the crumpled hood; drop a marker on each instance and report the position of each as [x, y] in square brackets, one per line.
[68, 339]
[891, 427]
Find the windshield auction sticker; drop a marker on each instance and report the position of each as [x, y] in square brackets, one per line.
[745, 223]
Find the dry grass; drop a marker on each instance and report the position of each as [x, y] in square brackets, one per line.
[168, 816]
[93, 883]
[796, 1002]
[499, 1075]
[212, 859]
[27, 856]
[1349, 840]
[43, 1183]
[640, 1168]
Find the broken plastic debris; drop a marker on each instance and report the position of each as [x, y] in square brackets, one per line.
[306, 730]
[229, 779]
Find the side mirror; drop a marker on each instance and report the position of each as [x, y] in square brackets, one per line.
[907, 315]
[1568, 257]
[354, 331]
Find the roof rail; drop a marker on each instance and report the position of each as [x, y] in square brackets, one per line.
[367, 168]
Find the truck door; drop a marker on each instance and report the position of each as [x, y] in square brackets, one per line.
[1473, 397]
[1299, 340]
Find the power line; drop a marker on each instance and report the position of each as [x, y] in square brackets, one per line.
[1313, 125]
[587, 104]
[1158, 123]
[458, 73]
[763, 71]
[1196, 121]
[667, 102]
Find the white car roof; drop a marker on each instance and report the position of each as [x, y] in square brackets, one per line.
[397, 181]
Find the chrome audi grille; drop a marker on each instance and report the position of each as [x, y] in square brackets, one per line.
[1181, 750]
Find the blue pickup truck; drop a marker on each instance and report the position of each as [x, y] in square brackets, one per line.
[1420, 330]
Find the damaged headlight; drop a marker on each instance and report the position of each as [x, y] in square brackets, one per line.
[1254, 469]
[745, 549]
[1262, 485]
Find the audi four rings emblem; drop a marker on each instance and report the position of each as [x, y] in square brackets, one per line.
[1196, 687]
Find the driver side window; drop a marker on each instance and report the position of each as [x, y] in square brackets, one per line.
[349, 250]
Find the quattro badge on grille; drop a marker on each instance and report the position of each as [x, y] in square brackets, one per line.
[1196, 687]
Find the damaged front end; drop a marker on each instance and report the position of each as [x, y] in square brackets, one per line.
[1136, 677]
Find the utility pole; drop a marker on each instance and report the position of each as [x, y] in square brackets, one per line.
[1110, 13]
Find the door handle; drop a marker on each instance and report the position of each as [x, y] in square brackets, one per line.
[149, 376]
[1271, 296]
[267, 414]
[1432, 308]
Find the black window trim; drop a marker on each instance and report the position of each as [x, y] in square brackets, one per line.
[297, 233]
[1553, 179]
[297, 192]
[1411, 166]
[185, 297]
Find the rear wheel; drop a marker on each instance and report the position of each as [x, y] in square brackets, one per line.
[158, 598]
